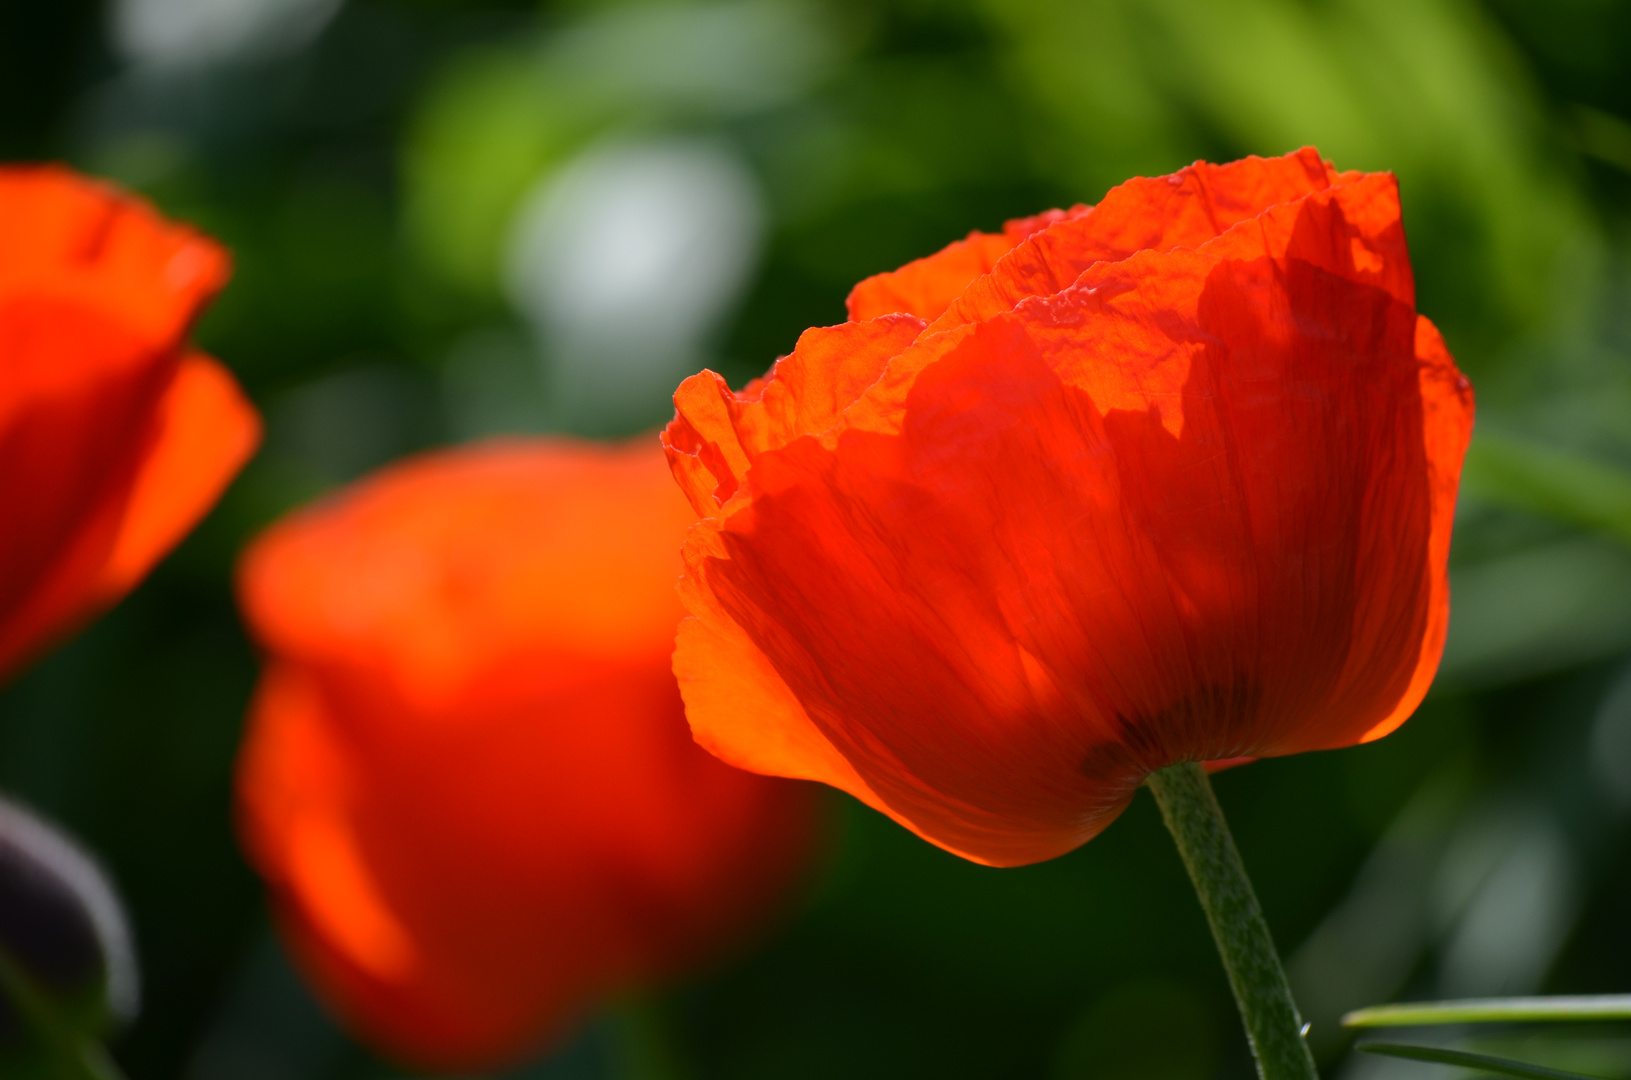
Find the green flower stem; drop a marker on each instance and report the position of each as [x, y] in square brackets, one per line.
[75, 1058]
[1195, 820]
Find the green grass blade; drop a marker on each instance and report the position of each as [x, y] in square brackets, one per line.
[1494, 1010]
[1480, 1062]
[1559, 484]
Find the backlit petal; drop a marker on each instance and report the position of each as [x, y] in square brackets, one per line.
[926, 287]
[207, 429]
[716, 435]
[1181, 492]
[468, 779]
[96, 295]
[1186, 209]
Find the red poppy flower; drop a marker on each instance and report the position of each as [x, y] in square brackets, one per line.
[115, 437]
[1171, 481]
[468, 778]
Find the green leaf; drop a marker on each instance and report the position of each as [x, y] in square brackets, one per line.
[76, 1057]
[1481, 1062]
[1494, 1010]
[1544, 480]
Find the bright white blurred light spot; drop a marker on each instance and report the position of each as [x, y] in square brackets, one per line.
[191, 33]
[625, 260]
[635, 242]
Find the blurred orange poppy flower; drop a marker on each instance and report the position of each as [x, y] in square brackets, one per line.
[115, 436]
[468, 778]
[1168, 479]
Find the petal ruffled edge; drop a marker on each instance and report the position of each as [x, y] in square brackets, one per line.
[926, 287]
[1183, 209]
[1371, 249]
[716, 434]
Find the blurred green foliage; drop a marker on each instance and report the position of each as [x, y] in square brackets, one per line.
[369, 175]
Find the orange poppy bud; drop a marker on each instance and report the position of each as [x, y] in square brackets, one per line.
[115, 437]
[1170, 479]
[467, 777]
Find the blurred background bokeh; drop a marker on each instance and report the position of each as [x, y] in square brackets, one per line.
[453, 219]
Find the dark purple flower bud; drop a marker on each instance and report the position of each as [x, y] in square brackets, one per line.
[62, 930]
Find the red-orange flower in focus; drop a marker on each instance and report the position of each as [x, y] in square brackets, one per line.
[468, 778]
[1168, 479]
[115, 437]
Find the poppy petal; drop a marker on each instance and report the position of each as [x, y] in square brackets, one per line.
[207, 429]
[97, 292]
[1186, 209]
[114, 519]
[739, 708]
[468, 780]
[1180, 510]
[82, 242]
[299, 818]
[1447, 404]
[716, 435]
[926, 287]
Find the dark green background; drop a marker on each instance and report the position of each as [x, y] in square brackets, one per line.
[356, 181]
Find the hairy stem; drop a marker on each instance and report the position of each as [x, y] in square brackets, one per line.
[1195, 820]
